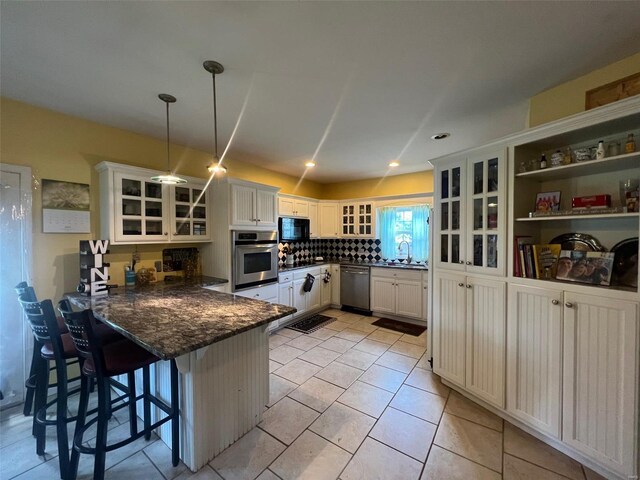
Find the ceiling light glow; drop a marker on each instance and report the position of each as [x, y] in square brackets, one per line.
[310, 164]
[217, 168]
[393, 164]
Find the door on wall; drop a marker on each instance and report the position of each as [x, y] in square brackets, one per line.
[15, 266]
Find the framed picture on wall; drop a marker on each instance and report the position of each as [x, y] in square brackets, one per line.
[65, 207]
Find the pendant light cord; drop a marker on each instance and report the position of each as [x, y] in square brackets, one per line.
[168, 142]
[215, 118]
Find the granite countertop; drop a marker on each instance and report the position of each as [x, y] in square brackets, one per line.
[403, 266]
[174, 318]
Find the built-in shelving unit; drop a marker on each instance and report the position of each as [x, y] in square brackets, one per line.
[593, 167]
[594, 177]
[589, 216]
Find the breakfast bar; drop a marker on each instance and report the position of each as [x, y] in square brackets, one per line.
[220, 344]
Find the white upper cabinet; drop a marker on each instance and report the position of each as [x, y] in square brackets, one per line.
[328, 215]
[358, 219]
[190, 213]
[134, 209]
[293, 207]
[470, 225]
[253, 205]
[314, 220]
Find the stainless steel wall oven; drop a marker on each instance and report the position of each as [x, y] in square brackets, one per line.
[255, 258]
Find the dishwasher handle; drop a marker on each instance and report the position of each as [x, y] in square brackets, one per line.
[355, 273]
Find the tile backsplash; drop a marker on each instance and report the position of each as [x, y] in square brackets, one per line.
[366, 250]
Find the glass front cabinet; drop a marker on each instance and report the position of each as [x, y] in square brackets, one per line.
[470, 224]
[134, 209]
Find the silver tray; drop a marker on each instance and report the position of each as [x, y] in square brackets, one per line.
[579, 241]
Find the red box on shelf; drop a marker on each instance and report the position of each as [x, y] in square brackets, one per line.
[592, 201]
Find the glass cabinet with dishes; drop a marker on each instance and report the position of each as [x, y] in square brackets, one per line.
[190, 212]
[470, 214]
[135, 209]
[140, 209]
[358, 219]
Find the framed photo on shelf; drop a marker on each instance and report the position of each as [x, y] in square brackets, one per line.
[547, 202]
[593, 268]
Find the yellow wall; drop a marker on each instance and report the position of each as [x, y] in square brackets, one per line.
[569, 98]
[419, 182]
[61, 147]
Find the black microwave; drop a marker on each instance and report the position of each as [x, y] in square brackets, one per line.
[293, 229]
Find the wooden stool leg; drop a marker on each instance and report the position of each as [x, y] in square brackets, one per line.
[175, 414]
[85, 386]
[40, 401]
[101, 438]
[61, 419]
[133, 413]
[146, 391]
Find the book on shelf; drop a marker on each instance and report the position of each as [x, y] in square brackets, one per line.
[518, 255]
[545, 259]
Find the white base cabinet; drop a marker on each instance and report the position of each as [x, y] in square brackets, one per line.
[600, 393]
[398, 292]
[291, 292]
[469, 334]
[534, 357]
[266, 293]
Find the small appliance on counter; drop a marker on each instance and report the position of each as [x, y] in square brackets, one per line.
[94, 271]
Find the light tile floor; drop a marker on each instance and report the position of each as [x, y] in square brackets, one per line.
[350, 401]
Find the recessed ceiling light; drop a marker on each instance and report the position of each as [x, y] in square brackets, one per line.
[440, 136]
[310, 164]
[394, 164]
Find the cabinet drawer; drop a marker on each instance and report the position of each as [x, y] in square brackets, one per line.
[267, 293]
[397, 273]
[285, 277]
[302, 273]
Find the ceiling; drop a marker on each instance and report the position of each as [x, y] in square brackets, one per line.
[353, 84]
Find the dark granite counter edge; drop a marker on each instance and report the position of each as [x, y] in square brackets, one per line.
[205, 343]
[285, 269]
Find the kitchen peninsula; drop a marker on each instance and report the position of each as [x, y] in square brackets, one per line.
[220, 345]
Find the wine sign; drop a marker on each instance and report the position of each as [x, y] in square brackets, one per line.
[94, 272]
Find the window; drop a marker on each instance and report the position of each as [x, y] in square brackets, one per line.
[409, 224]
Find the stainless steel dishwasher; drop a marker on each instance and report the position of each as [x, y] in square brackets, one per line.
[354, 286]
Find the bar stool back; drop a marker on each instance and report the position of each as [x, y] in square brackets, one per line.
[103, 363]
[57, 347]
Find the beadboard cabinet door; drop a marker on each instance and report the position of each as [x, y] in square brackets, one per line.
[449, 326]
[243, 203]
[534, 357]
[486, 339]
[600, 417]
[409, 295]
[383, 295]
[266, 208]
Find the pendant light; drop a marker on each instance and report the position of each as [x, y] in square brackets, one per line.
[215, 68]
[168, 178]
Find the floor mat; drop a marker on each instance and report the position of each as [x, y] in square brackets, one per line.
[402, 327]
[311, 324]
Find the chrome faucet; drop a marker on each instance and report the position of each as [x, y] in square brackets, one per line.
[408, 250]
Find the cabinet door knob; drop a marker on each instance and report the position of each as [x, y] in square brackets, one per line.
[424, 288]
[461, 284]
[568, 305]
[468, 263]
[259, 220]
[469, 285]
[461, 262]
[555, 302]
[166, 233]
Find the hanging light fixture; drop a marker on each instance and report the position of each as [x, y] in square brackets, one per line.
[215, 68]
[169, 178]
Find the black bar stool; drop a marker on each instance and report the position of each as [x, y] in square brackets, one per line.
[59, 348]
[102, 363]
[36, 359]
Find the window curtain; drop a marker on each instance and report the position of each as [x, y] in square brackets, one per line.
[420, 233]
[387, 229]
